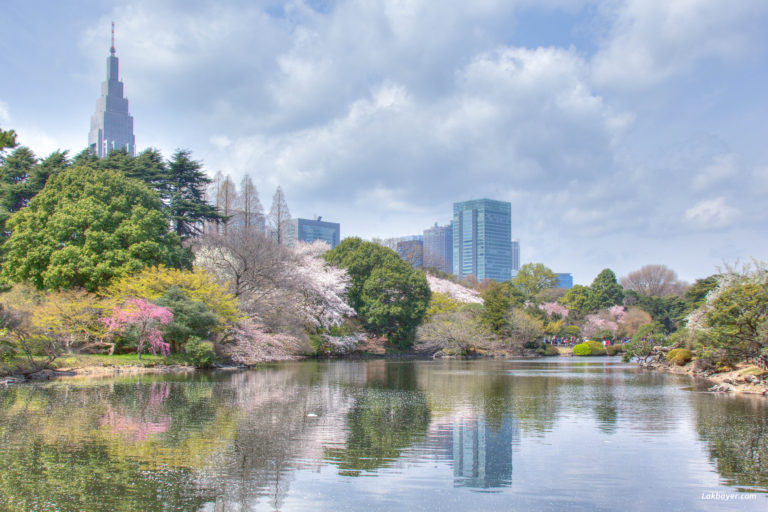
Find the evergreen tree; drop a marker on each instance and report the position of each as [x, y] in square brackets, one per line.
[186, 184]
[14, 174]
[605, 291]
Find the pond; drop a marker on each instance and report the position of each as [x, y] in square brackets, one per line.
[547, 434]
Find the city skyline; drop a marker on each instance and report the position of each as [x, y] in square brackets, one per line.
[643, 123]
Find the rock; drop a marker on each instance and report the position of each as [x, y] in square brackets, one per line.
[752, 379]
[42, 375]
[10, 380]
[722, 388]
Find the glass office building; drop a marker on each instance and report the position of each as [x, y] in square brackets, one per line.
[438, 248]
[306, 230]
[564, 280]
[482, 239]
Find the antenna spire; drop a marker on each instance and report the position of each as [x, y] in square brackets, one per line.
[112, 49]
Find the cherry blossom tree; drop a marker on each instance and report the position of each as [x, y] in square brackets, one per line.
[321, 287]
[143, 317]
[453, 290]
[554, 308]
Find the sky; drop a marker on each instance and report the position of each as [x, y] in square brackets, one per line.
[623, 132]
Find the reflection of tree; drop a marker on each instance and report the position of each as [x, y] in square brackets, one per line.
[736, 432]
[381, 424]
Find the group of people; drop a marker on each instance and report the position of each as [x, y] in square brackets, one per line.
[569, 341]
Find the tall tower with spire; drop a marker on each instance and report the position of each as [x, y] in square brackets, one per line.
[111, 124]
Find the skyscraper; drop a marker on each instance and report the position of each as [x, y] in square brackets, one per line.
[515, 255]
[111, 124]
[438, 248]
[482, 246]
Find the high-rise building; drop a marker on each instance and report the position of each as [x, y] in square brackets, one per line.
[438, 248]
[482, 246]
[307, 230]
[564, 280]
[411, 251]
[515, 255]
[111, 124]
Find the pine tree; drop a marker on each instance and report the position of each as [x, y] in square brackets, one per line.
[186, 183]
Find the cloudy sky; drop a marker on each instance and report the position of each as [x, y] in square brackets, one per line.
[623, 132]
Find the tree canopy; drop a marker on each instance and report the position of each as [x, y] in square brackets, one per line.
[533, 278]
[389, 296]
[87, 227]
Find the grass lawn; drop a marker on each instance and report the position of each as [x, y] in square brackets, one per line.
[21, 364]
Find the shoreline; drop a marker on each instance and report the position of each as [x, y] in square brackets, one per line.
[740, 380]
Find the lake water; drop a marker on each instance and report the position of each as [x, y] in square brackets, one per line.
[549, 434]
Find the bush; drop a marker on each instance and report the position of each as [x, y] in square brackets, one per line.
[582, 349]
[596, 348]
[548, 350]
[200, 353]
[679, 356]
[612, 350]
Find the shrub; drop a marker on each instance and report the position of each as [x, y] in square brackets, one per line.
[200, 353]
[679, 356]
[548, 350]
[612, 350]
[596, 348]
[582, 349]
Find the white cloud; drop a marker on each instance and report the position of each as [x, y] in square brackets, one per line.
[650, 41]
[711, 214]
[720, 169]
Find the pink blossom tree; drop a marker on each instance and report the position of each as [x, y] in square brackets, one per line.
[144, 317]
[554, 308]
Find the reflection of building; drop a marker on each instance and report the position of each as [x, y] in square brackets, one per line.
[564, 280]
[482, 454]
[111, 124]
[306, 230]
[482, 245]
[438, 248]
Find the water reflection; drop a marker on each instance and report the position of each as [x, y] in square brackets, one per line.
[482, 452]
[275, 438]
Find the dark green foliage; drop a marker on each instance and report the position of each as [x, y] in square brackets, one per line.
[670, 311]
[737, 320]
[389, 296]
[190, 318]
[605, 291]
[7, 140]
[498, 299]
[679, 356]
[653, 332]
[200, 353]
[696, 295]
[603, 334]
[87, 227]
[186, 183]
[180, 183]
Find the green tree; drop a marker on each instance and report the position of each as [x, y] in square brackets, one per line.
[190, 318]
[186, 184]
[389, 296]
[577, 299]
[7, 140]
[87, 227]
[14, 174]
[498, 299]
[696, 295]
[533, 278]
[605, 291]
